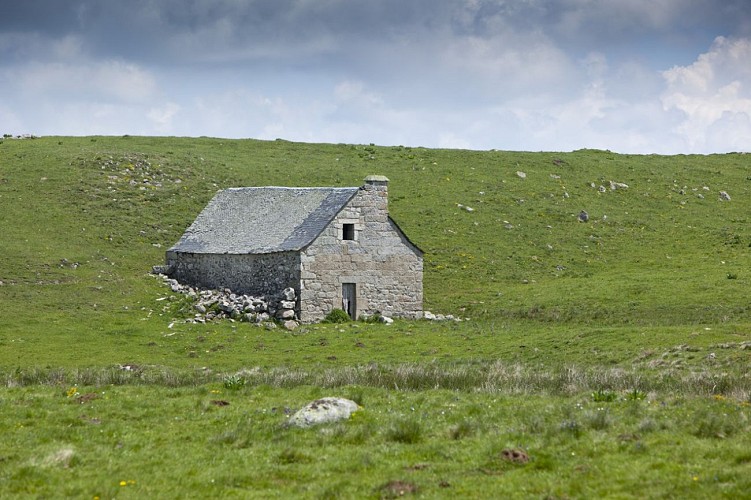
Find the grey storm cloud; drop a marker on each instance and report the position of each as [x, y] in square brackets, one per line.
[183, 30]
[637, 75]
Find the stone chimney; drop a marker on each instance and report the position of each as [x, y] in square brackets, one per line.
[377, 189]
[377, 180]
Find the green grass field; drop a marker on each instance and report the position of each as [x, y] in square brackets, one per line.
[607, 358]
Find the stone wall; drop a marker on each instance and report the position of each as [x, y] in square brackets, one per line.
[266, 274]
[385, 267]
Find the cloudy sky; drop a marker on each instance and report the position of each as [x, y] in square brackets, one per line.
[632, 76]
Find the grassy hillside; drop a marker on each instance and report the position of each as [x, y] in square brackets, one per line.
[84, 219]
[606, 358]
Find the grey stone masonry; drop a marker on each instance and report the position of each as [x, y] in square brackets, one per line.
[382, 264]
[252, 274]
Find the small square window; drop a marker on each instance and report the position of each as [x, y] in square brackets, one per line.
[348, 231]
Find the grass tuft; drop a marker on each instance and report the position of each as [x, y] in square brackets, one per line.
[406, 431]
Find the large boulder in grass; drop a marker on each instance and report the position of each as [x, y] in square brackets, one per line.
[322, 411]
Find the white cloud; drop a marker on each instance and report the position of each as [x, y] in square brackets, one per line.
[162, 116]
[713, 94]
[105, 80]
[10, 121]
[350, 91]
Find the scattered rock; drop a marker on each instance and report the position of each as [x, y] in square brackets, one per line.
[617, 185]
[521, 174]
[161, 270]
[286, 314]
[724, 196]
[291, 325]
[583, 216]
[322, 411]
[385, 319]
[223, 304]
[439, 317]
[129, 367]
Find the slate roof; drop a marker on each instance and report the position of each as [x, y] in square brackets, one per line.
[255, 220]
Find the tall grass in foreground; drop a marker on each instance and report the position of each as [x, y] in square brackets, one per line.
[492, 378]
[212, 441]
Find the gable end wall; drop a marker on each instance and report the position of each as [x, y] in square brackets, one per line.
[385, 267]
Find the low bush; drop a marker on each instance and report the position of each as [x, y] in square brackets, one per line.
[337, 316]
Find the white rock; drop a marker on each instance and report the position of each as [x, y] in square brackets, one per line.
[324, 410]
[287, 314]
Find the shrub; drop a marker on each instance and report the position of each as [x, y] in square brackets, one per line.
[337, 316]
[603, 396]
[373, 318]
[635, 395]
[234, 382]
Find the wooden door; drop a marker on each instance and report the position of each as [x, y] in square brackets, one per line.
[349, 299]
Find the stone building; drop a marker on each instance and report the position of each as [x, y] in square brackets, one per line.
[336, 247]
